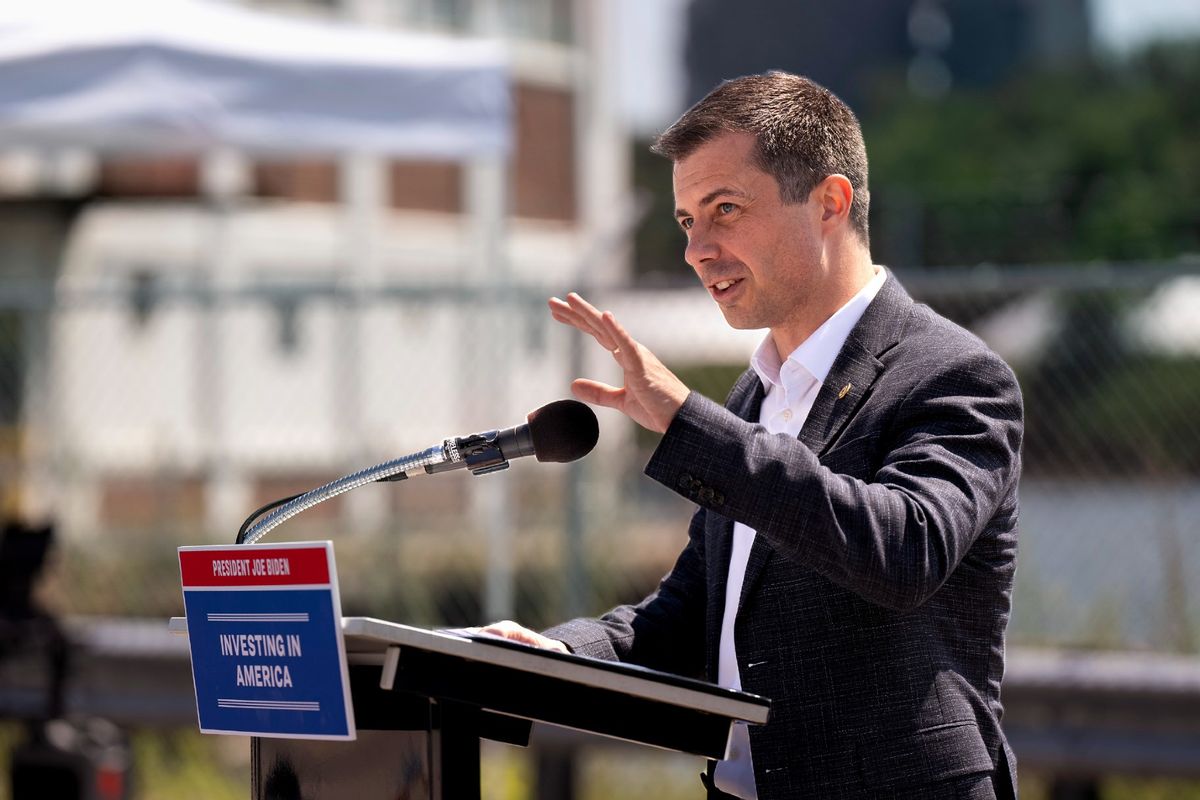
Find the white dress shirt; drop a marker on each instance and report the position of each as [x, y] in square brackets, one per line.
[791, 389]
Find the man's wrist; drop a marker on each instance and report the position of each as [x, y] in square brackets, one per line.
[678, 396]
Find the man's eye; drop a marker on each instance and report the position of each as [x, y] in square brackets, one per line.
[686, 223]
[726, 208]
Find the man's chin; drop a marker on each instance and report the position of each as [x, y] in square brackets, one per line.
[740, 321]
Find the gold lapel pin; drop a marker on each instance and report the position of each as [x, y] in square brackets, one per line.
[845, 390]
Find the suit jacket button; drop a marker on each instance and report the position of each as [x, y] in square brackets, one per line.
[719, 499]
[685, 481]
[706, 494]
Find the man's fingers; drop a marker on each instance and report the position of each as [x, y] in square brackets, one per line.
[621, 340]
[559, 308]
[597, 393]
[578, 309]
[584, 318]
[601, 329]
[568, 316]
[508, 629]
[576, 301]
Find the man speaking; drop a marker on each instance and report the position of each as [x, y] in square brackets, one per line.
[853, 551]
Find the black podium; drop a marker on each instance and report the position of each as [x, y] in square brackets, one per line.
[423, 700]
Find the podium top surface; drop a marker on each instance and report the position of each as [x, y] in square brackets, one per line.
[368, 640]
[368, 635]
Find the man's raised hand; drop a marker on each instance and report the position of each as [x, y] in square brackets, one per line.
[652, 394]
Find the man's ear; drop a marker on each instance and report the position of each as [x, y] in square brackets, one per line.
[835, 195]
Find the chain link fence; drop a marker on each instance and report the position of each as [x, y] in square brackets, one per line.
[143, 418]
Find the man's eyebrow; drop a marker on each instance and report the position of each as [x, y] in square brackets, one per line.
[708, 198]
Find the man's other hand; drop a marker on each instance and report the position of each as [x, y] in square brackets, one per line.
[507, 629]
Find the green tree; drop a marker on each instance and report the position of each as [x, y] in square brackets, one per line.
[1095, 164]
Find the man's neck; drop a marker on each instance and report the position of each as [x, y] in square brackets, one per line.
[842, 285]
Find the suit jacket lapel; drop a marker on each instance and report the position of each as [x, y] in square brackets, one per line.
[840, 395]
[857, 366]
[850, 378]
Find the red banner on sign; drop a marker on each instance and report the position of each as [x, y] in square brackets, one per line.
[250, 565]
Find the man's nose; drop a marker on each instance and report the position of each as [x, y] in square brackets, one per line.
[701, 247]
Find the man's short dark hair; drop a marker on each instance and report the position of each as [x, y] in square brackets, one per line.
[804, 134]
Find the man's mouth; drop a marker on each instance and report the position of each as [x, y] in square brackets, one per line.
[720, 287]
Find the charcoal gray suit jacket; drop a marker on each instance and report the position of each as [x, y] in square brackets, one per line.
[878, 588]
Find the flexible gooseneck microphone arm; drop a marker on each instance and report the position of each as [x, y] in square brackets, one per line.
[396, 469]
[560, 431]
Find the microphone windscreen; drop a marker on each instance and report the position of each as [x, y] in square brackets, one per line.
[563, 431]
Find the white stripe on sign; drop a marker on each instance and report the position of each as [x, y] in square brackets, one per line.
[258, 617]
[270, 705]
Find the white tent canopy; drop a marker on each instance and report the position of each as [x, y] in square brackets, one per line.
[170, 76]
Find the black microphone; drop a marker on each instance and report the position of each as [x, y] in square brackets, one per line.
[562, 431]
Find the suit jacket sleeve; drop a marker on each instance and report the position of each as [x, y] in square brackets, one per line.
[944, 452]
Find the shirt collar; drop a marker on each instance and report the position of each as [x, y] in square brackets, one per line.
[815, 355]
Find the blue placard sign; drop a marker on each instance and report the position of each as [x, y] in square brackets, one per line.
[264, 628]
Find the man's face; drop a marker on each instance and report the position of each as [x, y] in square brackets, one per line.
[759, 258]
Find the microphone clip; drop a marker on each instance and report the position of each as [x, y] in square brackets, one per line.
[481, 453]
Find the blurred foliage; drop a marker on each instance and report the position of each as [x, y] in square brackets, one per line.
[658, 239]
[12, 366]
[505, 771]
[183, 764]
[714, 381]
[173, 764]
[1150, 789]
[186, 765]
[1147, 443]
[11, 734]
[1099, 403]
[1098, 163]
[626, 772]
